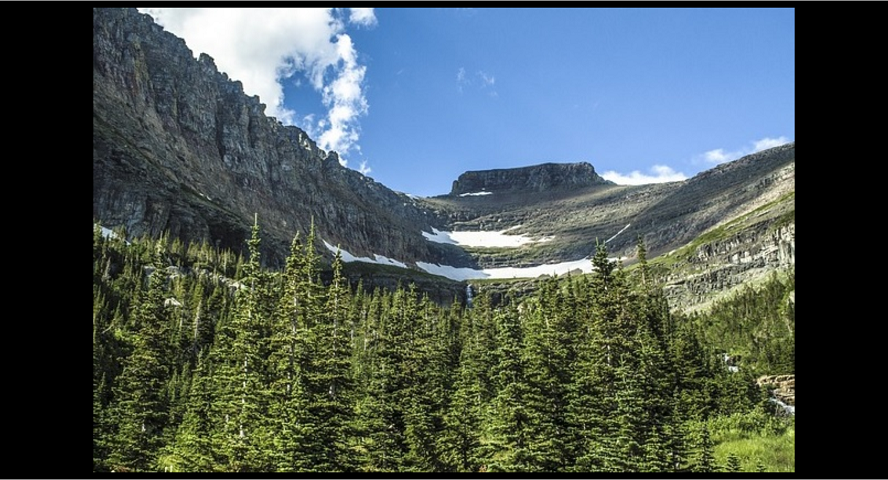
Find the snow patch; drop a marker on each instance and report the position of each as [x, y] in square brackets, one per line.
[382, 260]
[453, 273]
[615, 235]
[475, 194]
[107, 232]
[481, 239]
[460, 274]
[347, 257]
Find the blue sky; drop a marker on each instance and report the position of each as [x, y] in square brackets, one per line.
[414, 97]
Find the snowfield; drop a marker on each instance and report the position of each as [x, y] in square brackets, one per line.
[460, 274]
[107, 232]
[347, 257]
[481, 239]
[475, 194]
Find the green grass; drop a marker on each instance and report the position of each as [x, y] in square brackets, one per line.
[727, 230]
[755, 438]
[776, 452]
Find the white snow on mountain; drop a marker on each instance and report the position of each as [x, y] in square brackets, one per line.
[347, 257]
[459, 274]
[481, 239]
[621, 231]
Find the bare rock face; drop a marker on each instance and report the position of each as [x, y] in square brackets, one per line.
[536, 178]
[784, 387]
[178, 146]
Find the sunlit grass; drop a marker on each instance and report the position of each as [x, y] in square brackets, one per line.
[775, 452]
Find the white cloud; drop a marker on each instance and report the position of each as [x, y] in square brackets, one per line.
[265, 47]
[659, 174]
[480, 80]
[767, 143]
[719, 155]
[364, 169]
[486, 80]
[362, 16]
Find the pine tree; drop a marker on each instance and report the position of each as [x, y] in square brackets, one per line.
[291, 343]
[141, 408]
[192, 449]
[733, 463]
[592, 404]
[549, 329]
[515, 420]
[380, 410]
[242, 436]
[703, 459]
[332, 400]
[461, 438]
[644, 268]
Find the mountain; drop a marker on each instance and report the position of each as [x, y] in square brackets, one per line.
[179, 147]
[535, 178]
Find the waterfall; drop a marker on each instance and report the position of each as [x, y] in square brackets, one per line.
[788, 409]
[469, 295]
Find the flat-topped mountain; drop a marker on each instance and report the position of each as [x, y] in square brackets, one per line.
[536, 178]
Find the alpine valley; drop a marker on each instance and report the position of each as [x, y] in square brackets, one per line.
[191, 179]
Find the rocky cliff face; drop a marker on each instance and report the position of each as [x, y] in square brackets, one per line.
[727, 263]
[784, 387]
[178, 146]
[536, 178]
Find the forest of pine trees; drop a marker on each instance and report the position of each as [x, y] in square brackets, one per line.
[204, 360]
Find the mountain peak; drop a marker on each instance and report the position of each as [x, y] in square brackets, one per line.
[536, 178]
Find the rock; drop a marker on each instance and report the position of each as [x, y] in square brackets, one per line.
[784, 387]
[536, 178]
[179, 147]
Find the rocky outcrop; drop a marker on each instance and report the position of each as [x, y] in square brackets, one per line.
[731, 262]
[537, 178]
[783, 387]
[178, 146]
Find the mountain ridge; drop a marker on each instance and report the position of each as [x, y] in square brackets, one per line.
[539, 177]
[179, 148]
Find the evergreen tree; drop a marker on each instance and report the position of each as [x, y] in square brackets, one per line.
[141, 407]
[461, 439]
[333, 397]
[703, 459]
[241, 435]
[192, 449]
[643, 268]
[289, 361]
[380, 422]
[733, 463]
[549, 352]
[515, 420]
